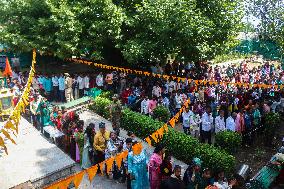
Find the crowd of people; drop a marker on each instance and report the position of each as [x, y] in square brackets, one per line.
[213, 108]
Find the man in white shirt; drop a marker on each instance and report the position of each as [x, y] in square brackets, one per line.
[206, 126]
[220, 122]
[166, 102]
[186, 120]
[81, 84]
[157, 91]
[87, 84]
[61, 85]
[145, 106]
[55, 86]
[178, 101]
[230, 122]
[100, 80]
[195, 124]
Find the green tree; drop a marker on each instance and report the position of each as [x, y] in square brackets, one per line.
[142, 31]
[191, 29]
[65, 27]
[271, 16]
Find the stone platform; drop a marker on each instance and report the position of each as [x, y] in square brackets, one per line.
[34, 162]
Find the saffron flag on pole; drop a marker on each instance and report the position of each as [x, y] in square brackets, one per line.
[8, 69]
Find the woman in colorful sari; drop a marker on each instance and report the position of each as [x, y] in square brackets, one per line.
[154, 166]
[137, 169]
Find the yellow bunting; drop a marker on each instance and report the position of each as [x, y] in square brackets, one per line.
[8, 135]
[10, 125]
[159, 75]
[109, 164]
[92, 171]
[148, 140]
[78, 178]
[174, 77]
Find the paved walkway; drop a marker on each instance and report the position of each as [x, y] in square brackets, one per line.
[32, 158]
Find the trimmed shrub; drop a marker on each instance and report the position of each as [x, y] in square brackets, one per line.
[182, 146]
[100, 106]
[228, 140]
[106, 94]
[161, 113]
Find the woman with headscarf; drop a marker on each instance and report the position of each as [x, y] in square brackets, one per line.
[154, 166]
[192, 175]
[137, 169]
[88, 156]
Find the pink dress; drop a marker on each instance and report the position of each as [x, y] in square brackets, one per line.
[154, 171]
[240, 123]
[152, 105]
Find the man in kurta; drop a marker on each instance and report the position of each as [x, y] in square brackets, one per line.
[115, 114]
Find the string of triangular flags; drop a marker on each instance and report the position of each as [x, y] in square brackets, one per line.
[171, 77]
[12, 124]
[157, 136]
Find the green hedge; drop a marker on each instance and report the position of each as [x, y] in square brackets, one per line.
[161, 113]
[100, 106]
[228, 140]
[182, 146]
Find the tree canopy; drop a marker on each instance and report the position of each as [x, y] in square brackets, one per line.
[271, 16]
[143, 31]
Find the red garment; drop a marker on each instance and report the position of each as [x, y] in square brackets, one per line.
[92, 83]
[125, 94]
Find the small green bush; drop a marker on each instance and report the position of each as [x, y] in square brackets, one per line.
[161, 113]
[100, 106]
[228, 140]
[182, 146]
[106, 94]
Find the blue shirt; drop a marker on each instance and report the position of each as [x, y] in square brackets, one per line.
[47, 84]
[61, 83]
[131, 99]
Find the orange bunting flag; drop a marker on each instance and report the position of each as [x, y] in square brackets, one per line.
[166, 128]
[118, 160]
[137, 148]
[154, 137]
[166, 77]
[160, 132]
[179, 78]
[159, 75]
[65, 183]
[101, 165]
[92, 171]
[8, 135]
[78, 178]
[172, 122]
[148, 140]
[146, 73]
[124, 155]
[174, 77]
[109, 164]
